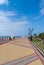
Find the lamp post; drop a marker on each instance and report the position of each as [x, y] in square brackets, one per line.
[30, 33]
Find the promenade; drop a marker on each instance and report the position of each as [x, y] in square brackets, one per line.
[19, 52]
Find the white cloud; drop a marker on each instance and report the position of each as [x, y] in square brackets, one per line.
[37, 17]
[3, 2]
[41, 13]
[11, 13]
[7, 26]
[42, 7]
[42, 4]
[7, 13]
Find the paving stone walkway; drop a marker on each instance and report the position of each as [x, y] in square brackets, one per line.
[19, 52]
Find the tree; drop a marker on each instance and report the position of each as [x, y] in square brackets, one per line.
[41, 35]
[35, 36]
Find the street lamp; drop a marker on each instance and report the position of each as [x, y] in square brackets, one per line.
[30, 33]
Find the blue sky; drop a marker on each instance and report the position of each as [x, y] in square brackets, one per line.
[17, 16]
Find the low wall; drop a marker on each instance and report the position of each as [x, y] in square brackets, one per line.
[4, 40]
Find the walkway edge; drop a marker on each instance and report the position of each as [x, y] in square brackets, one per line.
[38, 52]
[38, 49]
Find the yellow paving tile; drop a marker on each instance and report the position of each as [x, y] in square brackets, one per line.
[10, 52]
[22, 40]
[25, 44]
[36, 62]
